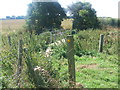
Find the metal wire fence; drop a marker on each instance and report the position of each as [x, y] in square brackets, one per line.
[13, 74]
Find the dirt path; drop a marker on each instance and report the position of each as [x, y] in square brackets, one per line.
[89, 66]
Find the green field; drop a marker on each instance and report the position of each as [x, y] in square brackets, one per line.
[93, 69]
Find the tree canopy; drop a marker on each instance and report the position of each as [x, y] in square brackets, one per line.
[84, 15]
[44, 15]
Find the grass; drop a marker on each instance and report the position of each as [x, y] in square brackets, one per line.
[94, 72]
[93, 69]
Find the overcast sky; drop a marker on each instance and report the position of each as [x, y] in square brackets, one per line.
[104, 8]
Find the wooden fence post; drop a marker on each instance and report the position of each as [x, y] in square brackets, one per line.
[71, 61]
[9, 40]
[51, 38]
[19, 63]
[101, 43]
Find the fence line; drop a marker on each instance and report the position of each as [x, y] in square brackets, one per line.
[61, 38]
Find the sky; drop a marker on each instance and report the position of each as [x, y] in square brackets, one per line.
[104, 8]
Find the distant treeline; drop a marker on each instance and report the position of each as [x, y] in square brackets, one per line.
[108, 21]
[104, 21]
[14, 17]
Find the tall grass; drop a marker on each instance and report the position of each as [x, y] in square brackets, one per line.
[89, 41]
[41, 71]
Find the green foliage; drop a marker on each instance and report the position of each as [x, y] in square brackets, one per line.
[34, 47]
[97, 71]
[44, 15]
[87, 42]
[84, 16]
[108, 21]
[91, 66]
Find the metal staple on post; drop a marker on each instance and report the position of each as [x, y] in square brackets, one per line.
[19, 63]
[101, 43]
[71, 61]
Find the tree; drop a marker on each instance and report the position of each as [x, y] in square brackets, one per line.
[108, 21]
[84, 16]
[13, 17]
[7, 17]
[44, 15]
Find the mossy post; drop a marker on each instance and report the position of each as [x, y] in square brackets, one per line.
[19, 63]
[71, 60]
[101, 43]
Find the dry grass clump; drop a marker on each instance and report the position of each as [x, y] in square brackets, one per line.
[67, 23]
